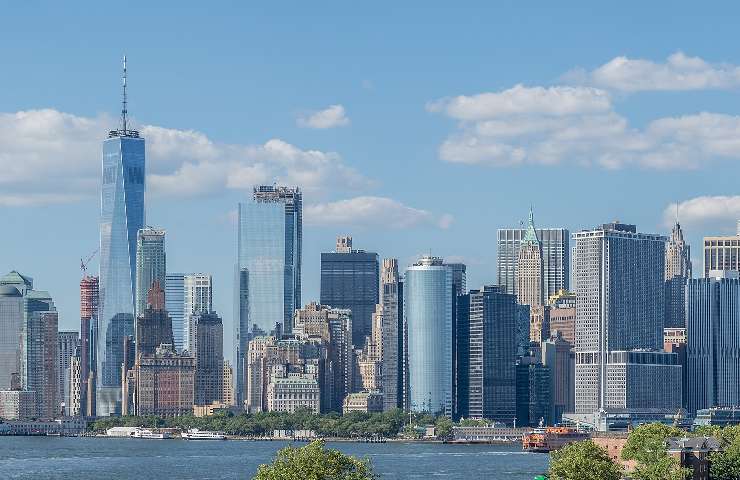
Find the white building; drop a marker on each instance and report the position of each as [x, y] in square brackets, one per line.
[290, 392]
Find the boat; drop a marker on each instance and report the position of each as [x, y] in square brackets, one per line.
[543, 440]
[137, 432]
[196, 434]
[146, 433]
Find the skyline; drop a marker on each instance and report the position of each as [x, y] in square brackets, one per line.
[265, 131]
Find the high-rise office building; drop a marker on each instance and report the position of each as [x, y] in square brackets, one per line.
[174, 301]
[529, 287]
[350, 279]
[492, 354]
[712, 332]
[89, 297]
[721, 253]
[677, 272]
[228, 384]
[427, 304]
[121, 217]
[334, 327]
[555, 251]
[151, 263]
[209, 358]
[34, 341]
[68, 345]
[618, 276]
[533, 392]
[268, 274]
[153, 324]
[559, 357]
[459, 277]
[165, 383]
[392, 335]
[12, 290]
[187, 294]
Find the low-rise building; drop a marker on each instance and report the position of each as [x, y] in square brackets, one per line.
[693, 453]
[289, 392]
[368, 402]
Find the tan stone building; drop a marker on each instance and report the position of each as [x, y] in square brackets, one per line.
[290, 392]
[368, 402]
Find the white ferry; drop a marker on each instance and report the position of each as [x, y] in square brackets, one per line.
[136, 432]
[195, 434]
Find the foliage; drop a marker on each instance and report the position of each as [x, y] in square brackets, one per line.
[646, 445]
[443, 427]
[725, 465]
[583, 461]
[315, 462]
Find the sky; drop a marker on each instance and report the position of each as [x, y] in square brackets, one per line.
[415, 128]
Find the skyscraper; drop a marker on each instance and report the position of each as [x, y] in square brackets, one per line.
[67, 345]
[492, 354]
[350, 279]
[392, 335]
[722, 253]
[529, 268]
[712, 332]
[459, 277]
[619, 322]
[555, 251]
[209, 358]
[198, 298]
[89, 297]
[428, 300]
[268, 277]
[174, 301]
[151, 263]
[153, 324]
[11, 324]
[121, 217]
[677, 273]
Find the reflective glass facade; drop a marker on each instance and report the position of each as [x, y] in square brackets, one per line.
[428, 302]
[174, 297]
[121, 217]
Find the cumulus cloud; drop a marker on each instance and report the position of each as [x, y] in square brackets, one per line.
[578, 126]
[678, 72]
[331, 117]
[54, 157]
[373, 212]
[717, 213]
[521, 100]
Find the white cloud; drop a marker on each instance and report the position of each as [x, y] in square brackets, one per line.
[370, 211]
[49, 157]
[718, 213]
[331, 117]
[678, 72]
[581, 130]
[521, 100]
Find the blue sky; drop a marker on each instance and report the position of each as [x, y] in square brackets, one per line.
[419, 127]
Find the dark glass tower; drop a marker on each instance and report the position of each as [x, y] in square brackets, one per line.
[121, 217]
[350, 279]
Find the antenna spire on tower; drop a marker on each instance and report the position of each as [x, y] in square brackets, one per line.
[124, 110]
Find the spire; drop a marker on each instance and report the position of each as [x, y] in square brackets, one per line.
[530, 236]
[124, 111]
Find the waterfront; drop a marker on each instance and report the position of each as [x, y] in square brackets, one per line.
[44, 458]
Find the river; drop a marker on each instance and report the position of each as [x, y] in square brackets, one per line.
[42, 458]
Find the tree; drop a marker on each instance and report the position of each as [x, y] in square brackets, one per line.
[443, 427]
[583, 461]
[315, 462]
[725, 465]
[646, 446]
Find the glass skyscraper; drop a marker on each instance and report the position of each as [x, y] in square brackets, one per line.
[174, 300]
[350, 279]
[428, 298]
[268, 279]
[121, 217]
[151, 263]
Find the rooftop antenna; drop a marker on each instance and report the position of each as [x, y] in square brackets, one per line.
[124, 111]
[676, 213]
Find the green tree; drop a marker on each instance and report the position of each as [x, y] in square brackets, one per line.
[583, 461]
[646, 446]
[315, 462]
[443, 427]
[725, 465]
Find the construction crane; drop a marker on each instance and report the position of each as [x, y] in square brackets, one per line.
[85, 262]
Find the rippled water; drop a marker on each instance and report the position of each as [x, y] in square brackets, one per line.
[103, 458]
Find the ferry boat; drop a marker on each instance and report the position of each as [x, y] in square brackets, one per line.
[136, 432]
[195, 434]
[146, 433]
[551, 438]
